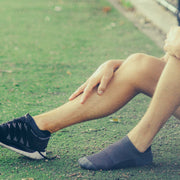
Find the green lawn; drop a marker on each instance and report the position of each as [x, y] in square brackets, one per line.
[48, 48]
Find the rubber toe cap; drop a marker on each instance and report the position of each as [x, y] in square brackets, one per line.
[86, 164]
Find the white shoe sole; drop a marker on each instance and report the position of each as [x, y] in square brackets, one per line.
[34, 155]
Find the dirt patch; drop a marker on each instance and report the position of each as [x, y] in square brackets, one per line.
[143, 24]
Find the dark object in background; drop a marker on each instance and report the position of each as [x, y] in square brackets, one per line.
[173, 6]
[178, 13]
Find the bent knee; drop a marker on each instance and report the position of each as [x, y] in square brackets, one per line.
[136, 56]
[137, 64]
[137, 59]
[135, 68]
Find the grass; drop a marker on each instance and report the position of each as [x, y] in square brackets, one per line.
[48, 48]
[126, 4]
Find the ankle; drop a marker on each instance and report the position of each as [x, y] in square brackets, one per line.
[45, 125]
[140, 145]
[41, 124]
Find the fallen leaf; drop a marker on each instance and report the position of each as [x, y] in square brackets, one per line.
[68, 72]
[74, 174]
[106, 9]
[57, 8]
[115, 120]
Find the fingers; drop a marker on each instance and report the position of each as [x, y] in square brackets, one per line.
[78, 91]
[172, 49]
[94, 82]
[172, 42]
[89, 85]
[87, 91]
[101, 77]
[103, 84]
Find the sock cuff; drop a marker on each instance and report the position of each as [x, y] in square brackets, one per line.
[35, 128]
[132, 147]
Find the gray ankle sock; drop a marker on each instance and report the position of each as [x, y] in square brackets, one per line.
[121, 154]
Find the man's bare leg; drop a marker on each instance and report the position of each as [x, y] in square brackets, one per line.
[134, 149]
[30, 138]
[164, 103]
[134, 76]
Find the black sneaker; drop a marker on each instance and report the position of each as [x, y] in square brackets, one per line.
[19, 136]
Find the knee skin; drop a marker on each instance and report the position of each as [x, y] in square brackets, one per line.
[142, 72]
[134, 70]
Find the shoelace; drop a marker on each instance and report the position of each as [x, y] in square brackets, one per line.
[48, 158]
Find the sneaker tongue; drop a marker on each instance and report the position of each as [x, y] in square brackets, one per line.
[35, 128]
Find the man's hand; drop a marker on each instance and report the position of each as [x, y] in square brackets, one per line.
[172, 42]
[101, 77]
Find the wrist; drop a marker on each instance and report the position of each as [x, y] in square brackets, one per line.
[172, 56]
